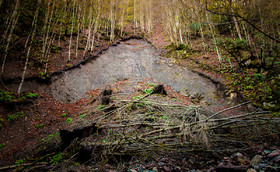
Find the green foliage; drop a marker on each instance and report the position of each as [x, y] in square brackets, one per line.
[137, 97]
[110, 131]
[43, 75]
[15, 116]
[56, 159]
[54, 49]
[63, 115]
[100, 107]
[261, 88]
[1, 121]
[148, 91]
[7, 96]
[83, 115]
[183, 46]
[68, 120]
[259, 76]
[164, 117]
[2, 145]
[19, 162]
[31, 95]
[39, 125]
[152, 85]
[194, 27]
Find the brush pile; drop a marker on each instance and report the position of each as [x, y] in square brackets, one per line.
[143, 127]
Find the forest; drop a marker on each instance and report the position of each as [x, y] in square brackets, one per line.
[200, 88]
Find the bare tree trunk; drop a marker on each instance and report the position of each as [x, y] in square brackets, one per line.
[61, 23]
[112, 19]
[236, 25]
[14, 22]
[10, 21]
[46, 34]
[213, 34]
[89, 32]
[78, 30]
[71, 35]
[32, 33]
[134, 16]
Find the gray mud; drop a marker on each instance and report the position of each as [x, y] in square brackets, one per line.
[134, 60]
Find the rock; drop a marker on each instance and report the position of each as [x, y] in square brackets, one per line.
[239, 157]
[251, 170]
[262, 165]
[270, 168]
[155, 169]
[274, 153]
[256, 161]
[170, 65]
[277, 159]
[165, 168]
[177, 168]
[132, 170]
[267, 151]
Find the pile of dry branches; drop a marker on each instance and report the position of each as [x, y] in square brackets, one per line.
[141, 126]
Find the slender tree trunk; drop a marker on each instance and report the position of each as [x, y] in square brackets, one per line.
[10, 21]
[236, 25]
[9, 38]
[213, 34]
[45, 29]
[112, 19]
[71, 35]
[32, 33]
[134, 16]
[78, 31]
[61, 23]
[89, 32]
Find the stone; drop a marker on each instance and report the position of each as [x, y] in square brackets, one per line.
[274, 153]
[251, 170]
[155, 169]
[277, 159]
[166, 169]
[132, 170]
[239, 157]
[256, 161]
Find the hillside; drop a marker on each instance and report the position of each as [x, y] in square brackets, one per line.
[132, 85]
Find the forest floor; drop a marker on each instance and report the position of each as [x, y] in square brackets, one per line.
[34, 125]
